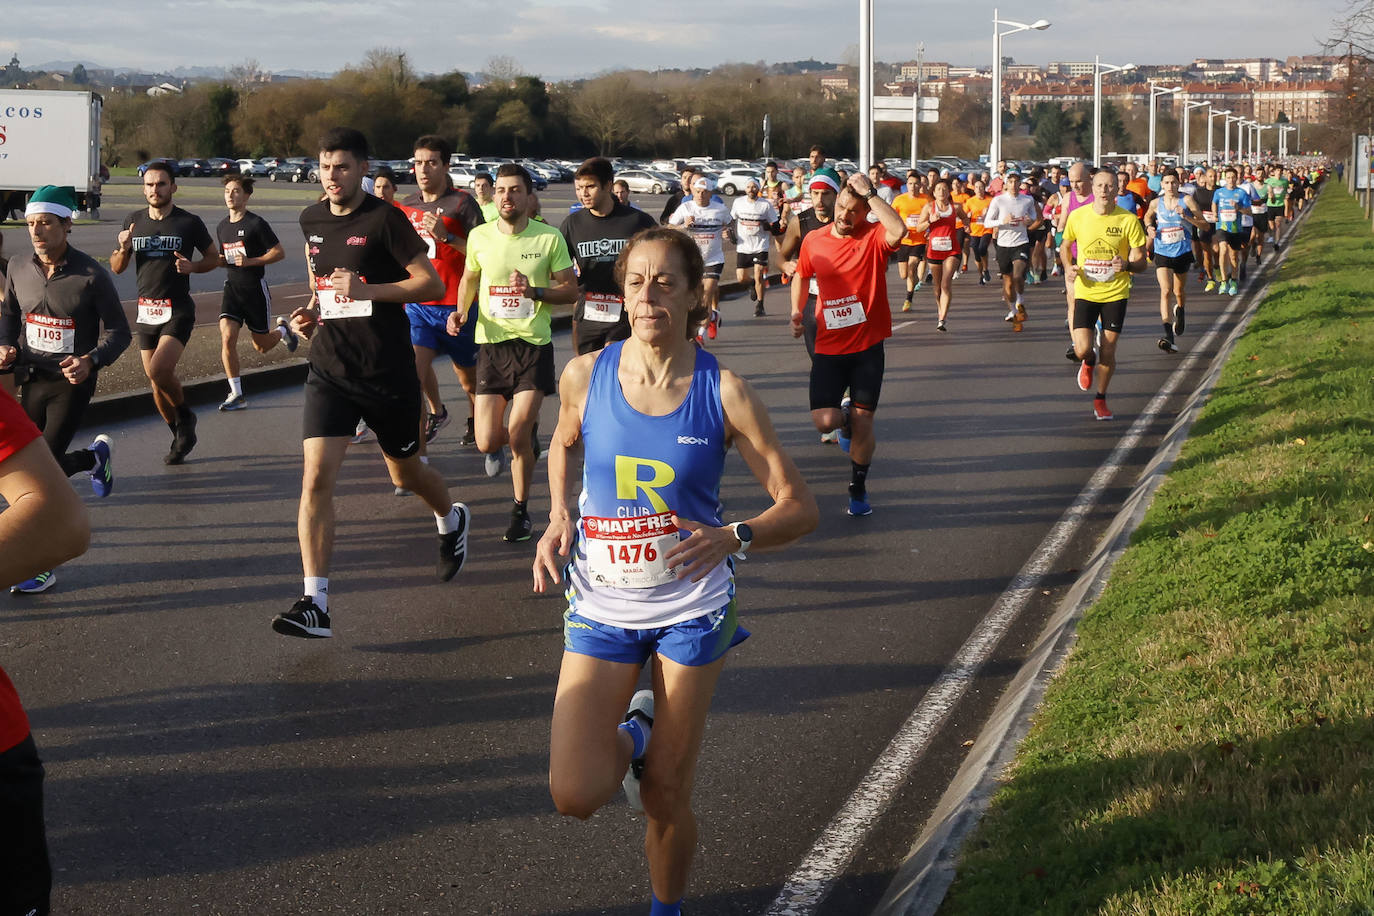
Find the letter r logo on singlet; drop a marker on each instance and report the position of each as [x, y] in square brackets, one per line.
[628, 482]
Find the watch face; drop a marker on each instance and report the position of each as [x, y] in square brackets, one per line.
[744, 532]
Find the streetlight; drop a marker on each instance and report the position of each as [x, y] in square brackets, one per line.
[1213, 113]
[1259, 137]
[1098, 69]
[1284, 130]
[1155, 93]
[1187, 108]
[1243, 138]
[1231, 119]
[1038, 25]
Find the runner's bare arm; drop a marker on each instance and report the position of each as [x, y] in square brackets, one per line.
[793, 514]
[422, 285]
[40, 500]
[467, 289]
[119, 258]
[552, 552]
[893, 226]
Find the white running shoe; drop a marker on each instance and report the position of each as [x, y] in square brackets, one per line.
[641, 706]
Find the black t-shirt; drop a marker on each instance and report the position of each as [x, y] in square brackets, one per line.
[595, 242]
[376, 242]
[253, 237]
[156, 244]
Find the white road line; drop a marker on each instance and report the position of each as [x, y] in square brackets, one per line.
[833, 850]
[904, 324]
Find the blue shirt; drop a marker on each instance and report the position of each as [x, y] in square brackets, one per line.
[1230, 202]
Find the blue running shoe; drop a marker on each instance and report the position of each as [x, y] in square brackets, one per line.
[859, 507]
[102, 475]
[39, 583]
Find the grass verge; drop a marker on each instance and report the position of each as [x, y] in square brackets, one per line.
[1208, 747]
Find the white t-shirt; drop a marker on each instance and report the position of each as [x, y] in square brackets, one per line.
[708, 225]
[752, 219]
[1010, 215]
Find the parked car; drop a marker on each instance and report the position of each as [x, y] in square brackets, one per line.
[462, 176]
[176, 169]
[643, 181]
[219, 167]
[295, 169]
[732, 181]
[194, 168]
[252, 167]
[272, 162]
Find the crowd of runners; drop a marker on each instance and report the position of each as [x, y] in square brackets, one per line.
[641, 547]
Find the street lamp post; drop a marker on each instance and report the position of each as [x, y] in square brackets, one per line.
[1100, 68]
[1231, 119]
[1259, 137]
[1187, 109]
[1155, 93]
[1213, 113]
[865, 84]
[1038, 25]
[1284, 130]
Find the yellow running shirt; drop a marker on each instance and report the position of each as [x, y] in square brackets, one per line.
[1100, 239]
[538, 252]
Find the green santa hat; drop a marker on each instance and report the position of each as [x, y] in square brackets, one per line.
[60, 202]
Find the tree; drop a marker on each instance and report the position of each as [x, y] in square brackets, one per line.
[611, 111]
[79, 77]
[1281, 118]
[502, 69]
[243, 76]
[1052, 130]
[513, 120]
[218, 135]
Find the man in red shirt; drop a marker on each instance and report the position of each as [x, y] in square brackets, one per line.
[848, 260]
[44, 526]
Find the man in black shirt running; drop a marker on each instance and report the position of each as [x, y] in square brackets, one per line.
[366, 262]
[160, 241]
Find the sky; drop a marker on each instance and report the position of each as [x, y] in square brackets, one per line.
[562, 39]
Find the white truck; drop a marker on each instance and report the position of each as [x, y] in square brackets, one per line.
[49, 138]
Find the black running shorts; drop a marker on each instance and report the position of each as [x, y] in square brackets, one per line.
[1179, 264]
[512, 366]
[390, 406]
[748, 260]
[861, 373]
[179, 326]
[247, 303]
[1007, 257]
[1113, 314]
[1236, 240]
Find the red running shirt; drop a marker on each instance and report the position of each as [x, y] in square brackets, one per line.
[851, 281]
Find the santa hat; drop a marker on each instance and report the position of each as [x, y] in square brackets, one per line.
[60, 202]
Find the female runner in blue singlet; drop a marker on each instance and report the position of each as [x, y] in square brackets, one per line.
[649, 573]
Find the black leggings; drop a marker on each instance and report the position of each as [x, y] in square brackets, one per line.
[25, 872]
[56, 407]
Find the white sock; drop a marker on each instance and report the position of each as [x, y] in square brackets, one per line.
[281, 331]
[448, 522]
[236, 387]
[424, 459]
[317, 587]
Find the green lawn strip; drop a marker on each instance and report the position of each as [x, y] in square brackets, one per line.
[1209, 745]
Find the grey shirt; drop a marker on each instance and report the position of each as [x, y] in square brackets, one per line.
[51, 318]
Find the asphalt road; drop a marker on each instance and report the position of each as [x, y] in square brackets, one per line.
[198, 762]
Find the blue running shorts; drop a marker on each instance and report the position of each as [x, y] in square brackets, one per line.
[693, 643]
[429, 329]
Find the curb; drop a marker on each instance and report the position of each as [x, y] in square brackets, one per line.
[925, 875]
[113, 408]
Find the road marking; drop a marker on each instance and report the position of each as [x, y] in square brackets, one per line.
[904, 324]
[834, 849]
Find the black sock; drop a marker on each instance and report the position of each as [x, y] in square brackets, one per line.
[520, 507]
[1168, 330]
[858, 479]
[1091, 358]
[77, 461]
[184, 413]
[1100, 396]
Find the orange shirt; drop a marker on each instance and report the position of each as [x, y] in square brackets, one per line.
[909, 208]
[1141, 186]
[975, 207]
[961, 198]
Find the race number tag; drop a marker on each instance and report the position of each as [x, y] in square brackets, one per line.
[1099, 269]
[911, 221]
[1228, 214]
[1209, 216]
[1247, 220]
[154, 311]
[234, 253]
[630, 552]
[812, 288]
[941, 243]
[49, 333]
[505, 302]
[333, 306]
[1171, 235]
[1259, 209]
[843, 313]
[605, 307]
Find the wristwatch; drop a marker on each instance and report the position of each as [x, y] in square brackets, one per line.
[745, 535]
[872, 193]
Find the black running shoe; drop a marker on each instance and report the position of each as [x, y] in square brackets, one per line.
[435, 422]
[1071, 354]
[1167, 345]
[469, 437]
[185, 439]
[305, 619]
[1178, 319]
[520, 525]
[453, 547]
